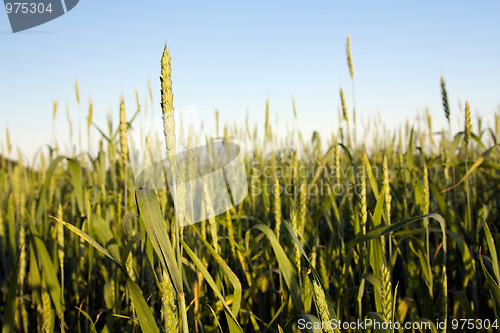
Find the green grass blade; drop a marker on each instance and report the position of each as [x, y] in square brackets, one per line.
[381, 231]
[48, 269]
[285, 266]
[231, 319]
[144, 314]
[228, 272]
[149, 209]
[493, 250]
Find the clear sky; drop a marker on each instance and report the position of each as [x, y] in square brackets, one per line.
[233, 55]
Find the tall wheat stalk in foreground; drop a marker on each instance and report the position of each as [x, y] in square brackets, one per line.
[169, 131]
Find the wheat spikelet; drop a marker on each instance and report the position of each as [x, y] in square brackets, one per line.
[46, 309]
[168, 307]
[386, 292]
[337, 163]
[277, 207]
[297, 254]
[344, 106]
[77, 93]
[429, 125]
[323, 271]
[497, 123]
[54, 109]
[123, 132]
[444, 96]
[363, 206]
[387, 193]
[349, 57]
[387, 205]
[22, 256]
[426, 190]
[7, 140]
[322, 305]
[167, 107]
[443, 300]
[294, 109]
[217, 122]
[467, 130]
[89, 116]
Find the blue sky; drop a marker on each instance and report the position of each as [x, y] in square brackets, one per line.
[232, 56]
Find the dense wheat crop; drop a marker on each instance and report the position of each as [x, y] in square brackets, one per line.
[391, 225]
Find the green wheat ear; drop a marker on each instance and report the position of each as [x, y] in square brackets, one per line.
[123, 132]
[277, 206]
[77, 93]
[167, 107]
[344, 106]
[7, 139]
[444, 95]
[349, 56]
[386, 291]
[54, 109]
[467, 130]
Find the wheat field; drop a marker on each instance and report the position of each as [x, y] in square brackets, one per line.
[392, 225]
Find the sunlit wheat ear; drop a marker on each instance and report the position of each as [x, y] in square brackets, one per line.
[46, 309]
[7, 140]
[337, 163]
[22, 245]
[54, 109]
[294, 108]
[387, 193]
[217, 123]
[77, 93]
[323, 270]
[322, 305]
[90, 116]
[386, 292]
[443, 299]
[444, 96]
[167, 108]
[363, 207]
[297, 253]
[349, 57]
[277, 207]
[429, 125]
[123, 132]
[70, 123]
[467, 130]
[344, 106]
[60, 246]
[426, 191]
[168, 307]
[497, 123]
